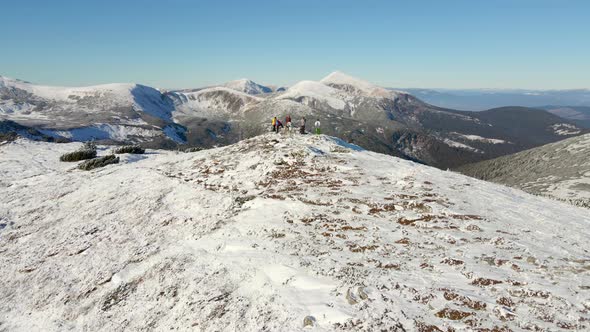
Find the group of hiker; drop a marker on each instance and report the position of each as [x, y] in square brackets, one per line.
[277, 125]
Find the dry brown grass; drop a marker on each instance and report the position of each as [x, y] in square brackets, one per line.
[465, 217]
[464, 301]
[312, 202]
[423, 327]
[453, 314]
[350, 228]
[505, 301]
[451, 261]
[357, 248]
[485, 282]
[388, 266]
[404, 241]
[410, 222]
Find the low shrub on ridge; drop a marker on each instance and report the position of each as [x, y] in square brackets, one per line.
[98, 162]
[78, 155]
[134, 149]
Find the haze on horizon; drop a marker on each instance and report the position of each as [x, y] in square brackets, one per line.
[506, 44]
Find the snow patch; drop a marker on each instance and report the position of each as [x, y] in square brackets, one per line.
[456, 144]
[482, 139]
[565, 129]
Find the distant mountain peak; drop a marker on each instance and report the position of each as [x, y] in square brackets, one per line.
[355, 85]
[247, 86]
[339, 76]
[4, 80]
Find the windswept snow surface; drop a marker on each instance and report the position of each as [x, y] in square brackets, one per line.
[264, 233]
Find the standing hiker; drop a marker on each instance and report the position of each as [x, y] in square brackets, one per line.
[274, 124]
[302, 128]
[317, 127]
[279, 125]
[288, 122]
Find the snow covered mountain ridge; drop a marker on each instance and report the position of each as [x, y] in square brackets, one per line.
[247, 86]
[119, 111]
[281, 233]
[350, 108]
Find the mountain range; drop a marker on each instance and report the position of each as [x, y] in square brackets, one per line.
[483, 99]
[376, 118]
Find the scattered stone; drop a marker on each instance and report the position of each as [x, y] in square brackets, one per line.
[309, 321]
[351, 297]
[363, 293]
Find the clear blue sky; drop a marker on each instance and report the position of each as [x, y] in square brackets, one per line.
[182, 43]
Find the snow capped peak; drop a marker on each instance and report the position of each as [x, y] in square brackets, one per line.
[338, 76]
[317, 91]
[247, 86]
[355, 85]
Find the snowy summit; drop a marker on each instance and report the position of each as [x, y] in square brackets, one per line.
[280, 233]
[247, 86]
[355, 85]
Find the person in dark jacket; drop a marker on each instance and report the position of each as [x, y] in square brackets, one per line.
[302, 127]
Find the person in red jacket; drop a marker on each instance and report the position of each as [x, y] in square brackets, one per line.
[288, 122]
